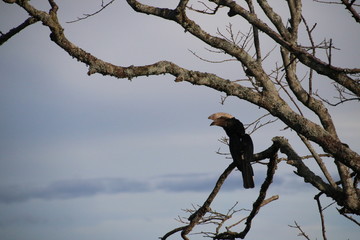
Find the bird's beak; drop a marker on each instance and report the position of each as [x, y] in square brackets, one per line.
[218, 118]
[217, 122]
[212, 116]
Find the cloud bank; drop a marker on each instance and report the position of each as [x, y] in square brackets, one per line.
[80, 188]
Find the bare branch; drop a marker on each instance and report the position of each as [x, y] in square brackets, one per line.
[320, 209]
[257, 124]
[257, 204]
[343, 96]
[302, 233]
[87, 15]
[309, 31]
[208, 10]
[319, 161]
[255, 33]
[266, 201]
[196, 217]
[302, 170]
[6, 36]
[350, 6]
[316, 106]
[337, 74]
[349, 217]
[210, 61]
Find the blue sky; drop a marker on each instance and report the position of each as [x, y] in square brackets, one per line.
[93, 157]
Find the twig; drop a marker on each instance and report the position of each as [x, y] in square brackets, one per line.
[317, 198]
[266, 201]
[207, 10]
[309, 31]
[343, 97]
[87, 15]
[211, 61]
[257, 123]
[349, 217]
[329, 55]
[302, 233]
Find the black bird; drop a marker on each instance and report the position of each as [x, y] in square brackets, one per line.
[240, 144]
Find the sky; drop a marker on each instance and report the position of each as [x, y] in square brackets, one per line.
[94, 157]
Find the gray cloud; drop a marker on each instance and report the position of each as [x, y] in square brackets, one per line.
[73, 188]
[76, 188]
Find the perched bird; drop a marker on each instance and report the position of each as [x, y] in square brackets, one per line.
[240, 144]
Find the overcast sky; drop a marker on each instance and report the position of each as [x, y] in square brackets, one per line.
[93, 157]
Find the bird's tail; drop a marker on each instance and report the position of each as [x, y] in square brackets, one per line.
[247, 174]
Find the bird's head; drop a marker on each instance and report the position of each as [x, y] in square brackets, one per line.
[230, 124]
[220, 119]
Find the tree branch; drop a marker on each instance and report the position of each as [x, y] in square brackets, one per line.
[305, 98]
[16, 30]
[319, 161]
[302, 233]
[257, 204]
[196, 217]
[255, 33]
[339, 195]
[349, 6]
[320, 209]
[337, 74]
[87, 15]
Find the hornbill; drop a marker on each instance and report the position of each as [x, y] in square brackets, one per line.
[240, 144]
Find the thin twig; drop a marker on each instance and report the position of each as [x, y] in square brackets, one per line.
[87, 15]
[309, 31]
[317, 198]
[208, 10]
[210, 61]
[349, 217]
[302, 233]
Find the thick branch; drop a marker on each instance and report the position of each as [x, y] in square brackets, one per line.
[295, 8]
[354, 13]
[275, 19]
[303, 96]
[302, 170]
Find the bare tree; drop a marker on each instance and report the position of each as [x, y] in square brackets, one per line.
[282, 91]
